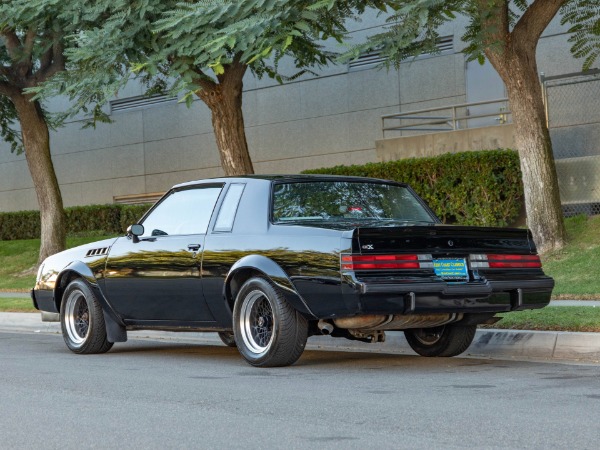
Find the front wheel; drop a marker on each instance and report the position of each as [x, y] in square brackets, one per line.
[268, 331]
[447, 340]
[82, 320]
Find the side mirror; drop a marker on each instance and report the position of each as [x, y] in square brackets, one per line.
[135, 231]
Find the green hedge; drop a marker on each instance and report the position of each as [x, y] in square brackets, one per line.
[101, 219]
[469, 188]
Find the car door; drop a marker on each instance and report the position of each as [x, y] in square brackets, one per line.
[156, 277]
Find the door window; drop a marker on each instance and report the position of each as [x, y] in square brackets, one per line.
[183, 212]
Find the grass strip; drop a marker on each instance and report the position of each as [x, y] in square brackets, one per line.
[16, 305]
[574, 267]
[18, 259]
[551, 318]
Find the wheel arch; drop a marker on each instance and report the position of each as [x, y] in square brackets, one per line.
[257, 265]
[79, 270]
[76, 269]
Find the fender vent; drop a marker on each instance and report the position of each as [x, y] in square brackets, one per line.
[97, 252]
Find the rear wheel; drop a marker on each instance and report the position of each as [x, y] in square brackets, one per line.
[82, 320]
[268, 331]
[447, 340]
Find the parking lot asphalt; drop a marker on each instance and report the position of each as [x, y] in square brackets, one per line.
[488, 343]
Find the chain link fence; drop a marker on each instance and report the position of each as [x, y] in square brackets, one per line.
[573, 111]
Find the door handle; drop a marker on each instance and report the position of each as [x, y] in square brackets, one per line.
[194, 247]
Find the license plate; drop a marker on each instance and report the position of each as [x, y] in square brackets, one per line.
[451, 269]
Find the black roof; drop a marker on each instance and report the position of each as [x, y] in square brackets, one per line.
[287, 178]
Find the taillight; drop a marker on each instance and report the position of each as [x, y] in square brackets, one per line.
[377, 262]
[494, 261]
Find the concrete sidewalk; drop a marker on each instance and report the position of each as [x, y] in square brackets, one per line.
[488, 343]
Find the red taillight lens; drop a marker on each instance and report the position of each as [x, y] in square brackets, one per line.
[506, 261]
[375, 262]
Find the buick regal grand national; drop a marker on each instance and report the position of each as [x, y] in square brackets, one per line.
[268, 261]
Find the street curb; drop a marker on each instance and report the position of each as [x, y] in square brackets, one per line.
[491, 343]
[488, 343]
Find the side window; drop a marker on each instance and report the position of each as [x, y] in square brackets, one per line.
[183, 212]
[229, 207]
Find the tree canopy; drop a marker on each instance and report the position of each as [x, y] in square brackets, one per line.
[413, 27]
[32, 44]
[31, 52]
[506, 32]
[202, 49]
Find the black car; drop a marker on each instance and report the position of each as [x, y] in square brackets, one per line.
[267, 261]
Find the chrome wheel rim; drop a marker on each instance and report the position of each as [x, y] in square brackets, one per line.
[429, 336]
[257, 322]
[77, 318]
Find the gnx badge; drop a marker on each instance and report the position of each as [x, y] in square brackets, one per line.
[367, 247]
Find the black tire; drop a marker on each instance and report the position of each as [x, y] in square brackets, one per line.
[268, 331]
[447, 340]
[82, 320]
[228, 338]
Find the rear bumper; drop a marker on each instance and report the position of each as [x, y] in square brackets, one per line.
[443, 297]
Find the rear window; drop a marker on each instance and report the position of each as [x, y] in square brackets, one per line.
[346, 201]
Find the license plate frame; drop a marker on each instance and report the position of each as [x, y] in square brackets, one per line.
[451, 269]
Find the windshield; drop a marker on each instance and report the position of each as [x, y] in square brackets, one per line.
[345, 200]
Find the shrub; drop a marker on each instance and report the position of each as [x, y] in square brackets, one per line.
[470, 188]
[81, 220]
[19, 225]
[131, 214]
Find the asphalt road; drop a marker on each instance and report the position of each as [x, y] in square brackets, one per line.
[146, 394]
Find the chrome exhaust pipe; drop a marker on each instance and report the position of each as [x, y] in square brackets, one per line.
[325, 327]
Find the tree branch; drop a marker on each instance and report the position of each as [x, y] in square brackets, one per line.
[494, 17]
[534, 21]
[46, 59]
[13, 45]
[29, 41]
[52, 61]
[204, 80]
[8, 89]
[5, 71]
[234, 72]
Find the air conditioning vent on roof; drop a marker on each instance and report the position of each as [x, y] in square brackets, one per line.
[140, 101]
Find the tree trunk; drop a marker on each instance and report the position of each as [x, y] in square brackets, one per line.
[518, 70]
[225, 103]
[36, 141]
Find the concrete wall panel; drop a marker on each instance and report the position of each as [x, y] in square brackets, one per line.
[162, 182]
[100, 191]
[180, 154]
[126, 129]
[174, 120]
[430, 78]
[15, 175]
[554, 56]
[18, 200]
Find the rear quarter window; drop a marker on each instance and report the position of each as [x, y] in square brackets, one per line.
[229, 207]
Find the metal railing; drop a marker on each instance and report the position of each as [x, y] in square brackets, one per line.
[457, 117]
